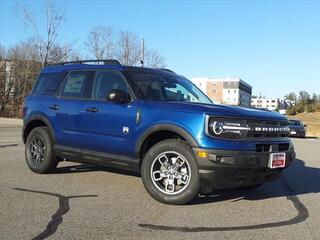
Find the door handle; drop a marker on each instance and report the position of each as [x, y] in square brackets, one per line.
[92, 109]
[54, 107]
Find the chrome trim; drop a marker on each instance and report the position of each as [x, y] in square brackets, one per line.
[236, 128]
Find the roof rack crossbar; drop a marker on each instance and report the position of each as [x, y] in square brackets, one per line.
[104, 61]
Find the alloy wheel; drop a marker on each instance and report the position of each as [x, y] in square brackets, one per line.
[170, 172]
[37, 150]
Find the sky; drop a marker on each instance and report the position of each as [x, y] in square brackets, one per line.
[272, 45]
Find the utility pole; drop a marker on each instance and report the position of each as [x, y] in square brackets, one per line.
[142, 53]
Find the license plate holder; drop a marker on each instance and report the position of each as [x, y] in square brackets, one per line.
[277, 160]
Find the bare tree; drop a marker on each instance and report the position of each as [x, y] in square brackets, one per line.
[100, 43]
[128, 48]
[3, 76]
[3, 51]
[125, 47]
[21, 67]
[63, 53]
[54, 16]
[153, 59]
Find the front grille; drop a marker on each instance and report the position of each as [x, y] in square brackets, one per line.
[246, 129]
[263, 147]
[267, 129]
[283, 147]
[272, 147]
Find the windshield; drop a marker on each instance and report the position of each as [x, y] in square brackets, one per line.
[296, 123]
[158, 87]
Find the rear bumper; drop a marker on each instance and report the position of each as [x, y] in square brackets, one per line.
[232, 169]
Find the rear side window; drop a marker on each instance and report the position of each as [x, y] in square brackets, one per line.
[78, 85]
[48, 83]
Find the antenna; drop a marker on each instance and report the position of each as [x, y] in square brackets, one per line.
[142, 52]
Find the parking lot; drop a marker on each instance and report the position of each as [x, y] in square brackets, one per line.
[88, 202]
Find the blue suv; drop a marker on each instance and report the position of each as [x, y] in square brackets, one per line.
[151, 121]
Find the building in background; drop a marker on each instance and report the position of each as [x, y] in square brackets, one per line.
[265, 103]
[284, 104]
[231, 91]
[272, 104]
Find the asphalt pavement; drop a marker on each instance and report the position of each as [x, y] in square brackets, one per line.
[89, 202]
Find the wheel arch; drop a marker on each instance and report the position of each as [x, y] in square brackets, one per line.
[36, 121]
[161, 132]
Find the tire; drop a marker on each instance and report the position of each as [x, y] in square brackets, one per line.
[40, 159]
[155, 173]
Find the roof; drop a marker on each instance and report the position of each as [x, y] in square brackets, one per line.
[61, 68]
[108, 64]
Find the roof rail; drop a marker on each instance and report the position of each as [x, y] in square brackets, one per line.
[166, 69]
[103, 61]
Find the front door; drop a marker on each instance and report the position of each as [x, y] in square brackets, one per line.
[108, 126]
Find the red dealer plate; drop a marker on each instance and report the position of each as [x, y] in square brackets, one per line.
[277, 160]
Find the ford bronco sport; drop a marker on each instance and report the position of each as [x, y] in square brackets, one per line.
[151, 121]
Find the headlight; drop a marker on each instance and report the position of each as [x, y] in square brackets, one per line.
[226, 128]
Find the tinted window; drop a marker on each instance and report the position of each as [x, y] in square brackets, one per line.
[107, 81]
[48, 83]
[78, 85]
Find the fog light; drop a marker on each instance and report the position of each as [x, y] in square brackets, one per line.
[202, 154]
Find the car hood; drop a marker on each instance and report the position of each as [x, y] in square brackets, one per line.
[223, 110]
[295, 127]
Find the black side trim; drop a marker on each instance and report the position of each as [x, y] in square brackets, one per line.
[95, 157]
[37, 117]
[163, 127]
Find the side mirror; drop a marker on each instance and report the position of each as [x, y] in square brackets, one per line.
[118, 96]
[305, 125]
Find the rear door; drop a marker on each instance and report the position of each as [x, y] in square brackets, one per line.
[74, 93]
[108, 126]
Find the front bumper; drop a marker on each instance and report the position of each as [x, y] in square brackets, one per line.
[297, 133]
[223, 169]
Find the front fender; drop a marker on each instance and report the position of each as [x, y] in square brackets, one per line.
[164, 127]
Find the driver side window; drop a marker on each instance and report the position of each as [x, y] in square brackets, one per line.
[106, 81]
